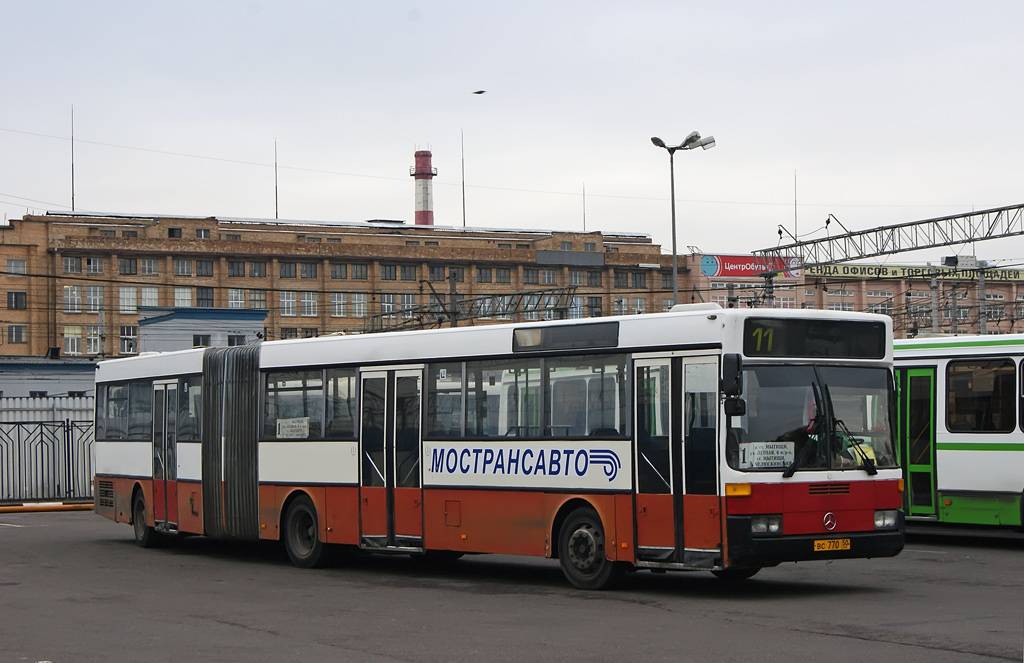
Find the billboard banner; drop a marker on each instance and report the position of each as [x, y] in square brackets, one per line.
[749, 266]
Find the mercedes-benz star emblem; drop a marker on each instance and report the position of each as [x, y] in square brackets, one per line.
[829, 521]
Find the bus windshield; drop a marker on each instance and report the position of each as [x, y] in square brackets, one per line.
[807, 417]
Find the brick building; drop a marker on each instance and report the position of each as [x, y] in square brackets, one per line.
[77, 281]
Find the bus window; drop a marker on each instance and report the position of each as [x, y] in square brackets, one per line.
[293, 405]
[190, 405]
[140, 410]
[587, 396]
[652, 435]
[483, 399]
[444, 400]
[342, 401]
[980, 396]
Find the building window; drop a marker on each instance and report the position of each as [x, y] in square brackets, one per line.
[358, 309]
[129, 340]
[531, 276]
[638, 305]
[503, 245]
[387, 303]
[94, 265]
[503, 275]
[289, 332]
[287, 302]
[17, 333]
[127, 266]
[620, 305]
[408, 303]
[130, 234]
[204, 297]
[236, 339]
[72, 299]
[338, 304]
[72, 265]
[577, 277]
[567, 246]
[549, 276]
[258, 299]
[358, 272]
[389, 272]
[150, 267]
[431, 242]
[436, 273]
[17, 301]
[182, 267]
[16, 267]
[312, 240]
[236, 298]
[483, 274]
[412, 242]
[232, 237]
[182, 297]
[458, 272]
[308, 304]
[667, 304]
[128, 300]
[840, 306]
[257, 269]
[93, 298]
[149, 296]
[576, 308]
[339, 270]
[108, 233]
[73, 340]
[204, 268]
[594, 279]
[202, 233]
[93, 341]
[236, 268]
[310, 332]
[287, 270]
[522, 246]
[200, 340]
[408, 272]
[639, 280]
[590, 247]
[307, 270]
[174, 233]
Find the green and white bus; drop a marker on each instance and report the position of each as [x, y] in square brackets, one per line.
[961, 428]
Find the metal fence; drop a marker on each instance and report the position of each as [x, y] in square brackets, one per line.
[46, 449]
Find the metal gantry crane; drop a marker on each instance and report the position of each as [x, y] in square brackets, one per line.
[995, 223]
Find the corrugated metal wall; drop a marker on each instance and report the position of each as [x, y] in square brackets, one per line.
[50, 408]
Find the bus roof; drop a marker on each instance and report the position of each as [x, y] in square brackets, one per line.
[966, 344]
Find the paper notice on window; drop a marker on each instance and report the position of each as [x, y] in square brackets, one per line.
[293, 429]
[756, 455]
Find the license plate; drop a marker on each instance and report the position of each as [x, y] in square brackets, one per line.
[825, 545]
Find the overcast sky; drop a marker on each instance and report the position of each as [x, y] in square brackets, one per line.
[875, 112]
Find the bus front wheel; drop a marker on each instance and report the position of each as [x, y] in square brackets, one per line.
[145, 535]
[302, 534]
[581, 552]
[733, 575]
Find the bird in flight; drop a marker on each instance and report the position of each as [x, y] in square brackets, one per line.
[480, 91]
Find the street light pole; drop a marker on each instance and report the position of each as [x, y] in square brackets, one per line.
[692, 141]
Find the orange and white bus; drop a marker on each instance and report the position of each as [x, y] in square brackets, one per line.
[704, 438]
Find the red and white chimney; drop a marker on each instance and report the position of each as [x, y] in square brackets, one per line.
[424, 173]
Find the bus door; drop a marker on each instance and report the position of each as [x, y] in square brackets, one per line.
[165, 455]
[677, 503]
[391, 497]
[917, 439]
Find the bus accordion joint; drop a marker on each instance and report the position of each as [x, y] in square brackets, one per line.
[738, 490]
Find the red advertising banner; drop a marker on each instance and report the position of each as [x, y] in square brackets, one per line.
[749, 266]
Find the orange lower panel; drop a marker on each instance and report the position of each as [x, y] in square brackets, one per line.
[190, 507]
[408, 512]
[702, 521]
[655, 521]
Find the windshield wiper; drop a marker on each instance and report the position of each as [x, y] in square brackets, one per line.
[865, 461]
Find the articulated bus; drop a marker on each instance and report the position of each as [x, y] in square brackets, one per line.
[961, 428]
[703, 438]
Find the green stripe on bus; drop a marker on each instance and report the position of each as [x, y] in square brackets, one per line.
[979, 446]
[957, 344]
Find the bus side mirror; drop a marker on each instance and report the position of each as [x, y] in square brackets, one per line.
[732, 374]
[735, 407]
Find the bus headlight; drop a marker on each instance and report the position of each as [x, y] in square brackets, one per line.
[766, 525]
[885, 519]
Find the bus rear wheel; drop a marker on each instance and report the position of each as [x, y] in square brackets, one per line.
[581, 552]
[145, 535]
[302, 534]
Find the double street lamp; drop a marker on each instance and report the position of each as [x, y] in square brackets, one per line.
[692, 141]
